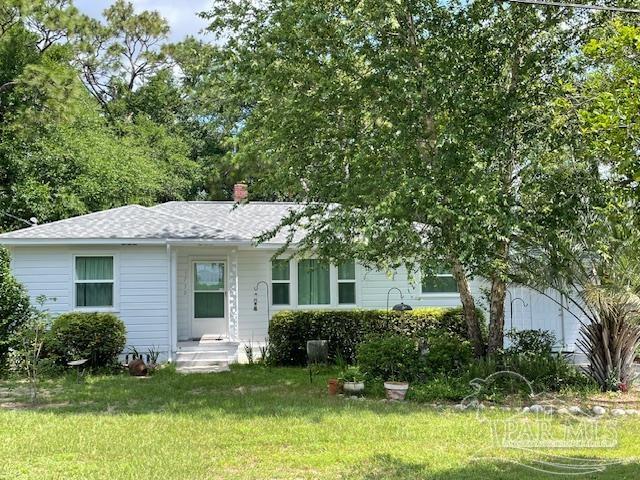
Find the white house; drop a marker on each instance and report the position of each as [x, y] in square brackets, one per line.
[188, 279]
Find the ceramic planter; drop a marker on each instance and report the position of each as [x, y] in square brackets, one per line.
[396, 390]
[353, 388]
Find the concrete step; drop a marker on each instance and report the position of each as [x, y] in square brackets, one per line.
[205, 355]
[211, 367]
[197, 362]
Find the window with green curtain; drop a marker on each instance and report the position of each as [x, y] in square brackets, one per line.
[442, 282]
[313, 283]
[347, 283]
[280, 282]
[208, 290]
[94, 281]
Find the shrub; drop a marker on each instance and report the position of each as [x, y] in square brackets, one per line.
[391, 357]
[15, 309]
[535, 342]
[290, 330]
[447, 353]
[440, 388]
[98, 337]
[543, 371]
[546, 372]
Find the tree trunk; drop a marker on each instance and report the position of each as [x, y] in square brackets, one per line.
[496, 315]
[469, 309]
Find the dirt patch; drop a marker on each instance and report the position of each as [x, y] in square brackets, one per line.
[33, 406]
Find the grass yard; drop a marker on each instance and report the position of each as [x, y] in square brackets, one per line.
[257, 423]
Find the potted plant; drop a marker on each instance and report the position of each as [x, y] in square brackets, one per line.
[396, 390]
[334, 386]
[352, 381]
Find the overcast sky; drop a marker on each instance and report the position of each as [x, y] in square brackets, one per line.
[181, 14]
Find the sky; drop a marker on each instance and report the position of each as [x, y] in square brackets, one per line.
[181, 14]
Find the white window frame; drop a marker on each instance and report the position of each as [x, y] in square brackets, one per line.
[289, 282]
[437, 294]
[350, 280]
[114, 282]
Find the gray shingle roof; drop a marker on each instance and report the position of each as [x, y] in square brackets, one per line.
[174, 220]
[245, 221]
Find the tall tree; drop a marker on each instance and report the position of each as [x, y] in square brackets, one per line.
[60, 155]
[118, 56]
[416, 133]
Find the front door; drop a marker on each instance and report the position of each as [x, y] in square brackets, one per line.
[209, 299]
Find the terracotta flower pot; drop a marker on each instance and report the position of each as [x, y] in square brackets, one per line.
[396, 390]
[333, 385]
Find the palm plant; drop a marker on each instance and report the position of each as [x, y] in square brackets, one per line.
[597, 271]
[610, 339]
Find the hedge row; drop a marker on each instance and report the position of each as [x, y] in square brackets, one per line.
[345, 329]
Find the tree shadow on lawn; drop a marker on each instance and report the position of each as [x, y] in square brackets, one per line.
[383, 467]
[243, 392]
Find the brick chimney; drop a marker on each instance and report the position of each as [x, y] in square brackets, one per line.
[240, 193]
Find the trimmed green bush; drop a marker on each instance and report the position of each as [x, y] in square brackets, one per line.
[98, 337]
[15, 308]
[345, 329]
[391, 358]
[447, 353]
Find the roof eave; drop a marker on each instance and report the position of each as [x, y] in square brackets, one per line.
[118, 241]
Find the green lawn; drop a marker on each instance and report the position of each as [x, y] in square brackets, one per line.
[256, 423]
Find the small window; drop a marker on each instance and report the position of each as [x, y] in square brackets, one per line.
[313, 283]
[280, 282]
[442, 282]
[347, 283]
[94, 282]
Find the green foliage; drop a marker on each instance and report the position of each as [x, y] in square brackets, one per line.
[391, 358]
[533, 342]
[422, 130]
[351, 374]
[98, 337]
[440, 388]
[345, 329]
[28, 347]
[447, 353]
[606, 103]
[15, 309]
[544, 372]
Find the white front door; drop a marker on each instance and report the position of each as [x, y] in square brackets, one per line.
[209, 299]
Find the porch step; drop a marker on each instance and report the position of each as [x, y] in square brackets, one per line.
[205, 357]
[209, 367]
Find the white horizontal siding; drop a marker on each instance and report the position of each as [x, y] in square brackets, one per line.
[143, 292]
[142, 286]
